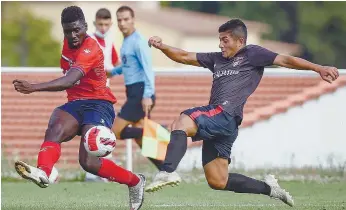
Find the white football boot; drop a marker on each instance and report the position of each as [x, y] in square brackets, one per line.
[136, 193]
[31, 173]
[162, 179]
[277, 192]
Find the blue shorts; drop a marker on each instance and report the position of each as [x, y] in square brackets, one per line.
[91, 112]
[132, 110]
[218, 130]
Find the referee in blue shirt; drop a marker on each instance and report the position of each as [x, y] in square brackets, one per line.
[139, 80]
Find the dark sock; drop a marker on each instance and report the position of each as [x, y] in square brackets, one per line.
[242, 184]
[131, 133]
[175, 151]
[156, 162]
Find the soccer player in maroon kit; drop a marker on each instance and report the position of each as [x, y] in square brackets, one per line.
[237, 71]
[90, 103]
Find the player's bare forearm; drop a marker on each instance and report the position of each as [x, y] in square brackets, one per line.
[61, 83]
[179, 55]
[55, 85]
[327, 73]
[295, 63]
[175, 54]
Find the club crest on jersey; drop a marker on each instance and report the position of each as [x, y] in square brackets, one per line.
[225, 103]
[237, 61]
[87, 51]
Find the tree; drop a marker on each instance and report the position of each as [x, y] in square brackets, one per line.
[26, 40]
[322, 29]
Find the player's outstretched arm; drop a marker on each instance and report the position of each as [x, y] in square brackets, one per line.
[327, 73]
[175, 54]
[62, 83]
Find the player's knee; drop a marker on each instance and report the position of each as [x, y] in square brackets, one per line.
[174, 125]
[180, 123]
[217, 183]
[55, 133]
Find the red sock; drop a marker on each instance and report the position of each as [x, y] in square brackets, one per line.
[114, 173]
[49, 154]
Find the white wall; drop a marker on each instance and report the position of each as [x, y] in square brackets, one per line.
[310, 135]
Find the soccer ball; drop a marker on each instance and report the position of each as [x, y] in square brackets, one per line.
[99, 141]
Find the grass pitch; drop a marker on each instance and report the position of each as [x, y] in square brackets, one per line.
[102, 196]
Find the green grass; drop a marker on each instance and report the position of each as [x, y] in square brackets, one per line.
[102, 196]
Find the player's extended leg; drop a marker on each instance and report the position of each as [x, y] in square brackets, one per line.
[106, 168]
[122, 130]
[216, 173]
[118, 126]
[61, 127]
[183, 127]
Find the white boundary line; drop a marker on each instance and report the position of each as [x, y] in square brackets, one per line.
[232, 206]
[244, 205]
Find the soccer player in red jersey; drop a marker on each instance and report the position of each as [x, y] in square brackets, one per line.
[90, 103]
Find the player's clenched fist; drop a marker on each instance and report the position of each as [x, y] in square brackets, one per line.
[23, 86]
[328, 73]
[155, 41]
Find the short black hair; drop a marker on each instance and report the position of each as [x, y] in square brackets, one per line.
[236, 27]
[126, 8]
[103, 13]
[72, 14]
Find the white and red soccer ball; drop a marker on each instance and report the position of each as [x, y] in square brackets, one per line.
[99, 141]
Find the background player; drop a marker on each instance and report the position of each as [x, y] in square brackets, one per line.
[237, 71]
[90, 103]
[139, 80]
[103, 23]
